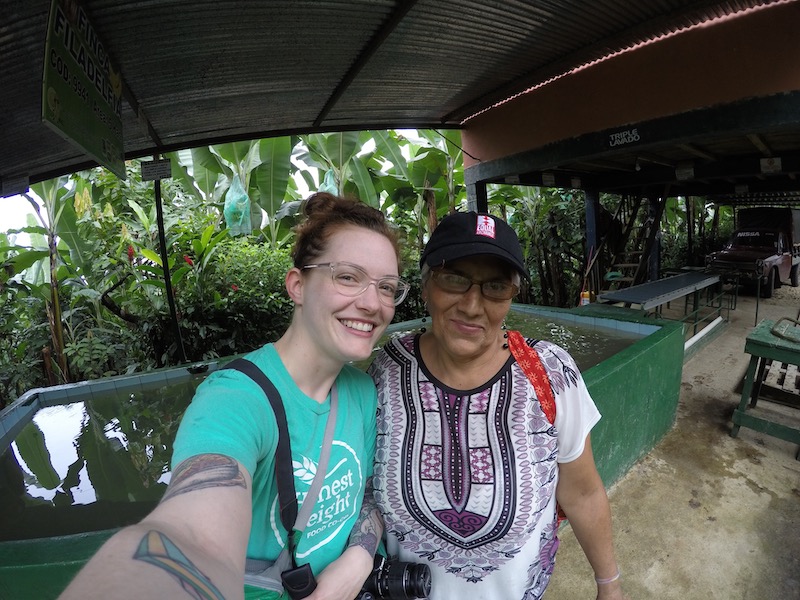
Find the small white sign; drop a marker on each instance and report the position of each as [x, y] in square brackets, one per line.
[771, 165]
[512, 179]
[156, 169]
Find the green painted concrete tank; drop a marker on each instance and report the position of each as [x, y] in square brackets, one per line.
[636, 389]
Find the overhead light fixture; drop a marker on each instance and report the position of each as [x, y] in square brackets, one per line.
[638, 165]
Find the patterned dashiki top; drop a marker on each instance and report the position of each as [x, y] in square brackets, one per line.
[466, 479]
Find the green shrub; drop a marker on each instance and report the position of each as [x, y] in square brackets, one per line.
[241, 306]
[23, 334]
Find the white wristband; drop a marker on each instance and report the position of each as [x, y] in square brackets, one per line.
[601, 581]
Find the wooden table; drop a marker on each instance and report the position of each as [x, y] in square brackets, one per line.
[769, 341]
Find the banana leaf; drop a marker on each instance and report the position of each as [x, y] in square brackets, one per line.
[33, 450]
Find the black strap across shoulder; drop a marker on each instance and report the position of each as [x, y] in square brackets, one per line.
[287, 497]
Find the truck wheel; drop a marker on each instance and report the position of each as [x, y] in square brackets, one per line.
[794, 275]
[766, 288]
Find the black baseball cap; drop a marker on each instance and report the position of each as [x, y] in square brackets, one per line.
[464, 234]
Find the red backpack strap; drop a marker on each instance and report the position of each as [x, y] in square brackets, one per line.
[530, 363]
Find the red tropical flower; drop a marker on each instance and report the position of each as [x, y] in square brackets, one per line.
[234, 287]
[131, 252]
[188, 260]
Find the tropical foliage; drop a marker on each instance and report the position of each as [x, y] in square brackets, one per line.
[692, 228]
[88, 296]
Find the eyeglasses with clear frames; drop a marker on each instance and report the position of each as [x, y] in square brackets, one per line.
[352, 280]
[460, 284]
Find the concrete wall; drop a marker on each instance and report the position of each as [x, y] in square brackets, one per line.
[751, 55]
[636, 390]
[42, 568]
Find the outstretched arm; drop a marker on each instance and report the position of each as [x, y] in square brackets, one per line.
[194, 542]
[583, 498]
[345, 576]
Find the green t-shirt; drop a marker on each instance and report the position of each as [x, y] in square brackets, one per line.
[231, 415]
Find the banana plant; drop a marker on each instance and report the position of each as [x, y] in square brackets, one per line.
[346, 168]
[20, 266]
[426, 177]
[199, 174]
[447, 143]
[261, 166]
[58, 223]
[401, 198]
[272, 184]
[33, 450]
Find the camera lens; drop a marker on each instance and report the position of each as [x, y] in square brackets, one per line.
[405, 581]
[394, 580]
[419, 581]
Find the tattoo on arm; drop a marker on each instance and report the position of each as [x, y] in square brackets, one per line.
[204, 471]
[368, 528]
[158, 550]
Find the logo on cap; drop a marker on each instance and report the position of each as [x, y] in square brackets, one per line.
[485, 226]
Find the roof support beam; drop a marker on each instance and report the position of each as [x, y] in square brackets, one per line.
[759, 143]
[372, 46]
[697, 151]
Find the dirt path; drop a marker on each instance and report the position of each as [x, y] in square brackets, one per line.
[704, 515]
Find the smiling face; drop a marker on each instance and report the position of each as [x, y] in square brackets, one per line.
[346, 328]
[467, 325]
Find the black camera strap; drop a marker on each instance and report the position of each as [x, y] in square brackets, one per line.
[293, 521]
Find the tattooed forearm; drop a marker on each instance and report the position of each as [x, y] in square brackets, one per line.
[158, 550]
[204, 471]
[368, 528]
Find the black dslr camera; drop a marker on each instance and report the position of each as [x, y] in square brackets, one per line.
[395, 580]
[389, 580]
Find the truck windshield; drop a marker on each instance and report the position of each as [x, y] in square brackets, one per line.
[755, 238]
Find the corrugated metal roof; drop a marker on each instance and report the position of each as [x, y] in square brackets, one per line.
[212, 71]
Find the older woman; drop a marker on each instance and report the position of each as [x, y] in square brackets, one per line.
[471, 463]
